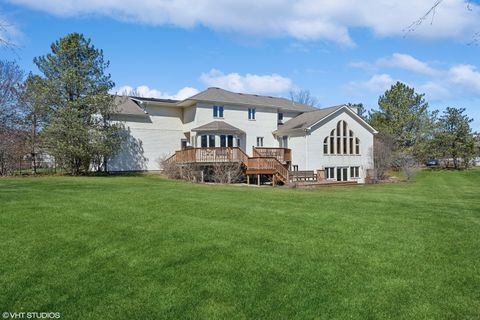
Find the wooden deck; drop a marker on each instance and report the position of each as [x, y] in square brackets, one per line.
[281, 154]
[272, 162]
[209, 155]
[253, 165]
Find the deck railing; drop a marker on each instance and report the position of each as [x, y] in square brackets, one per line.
[265, 164]
[207, 155]
[281, 154]
[216, 155]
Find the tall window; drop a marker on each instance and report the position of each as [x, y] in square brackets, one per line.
[341, 141]
[218, 111]
[330, 173]
[354, 172]
[350, 139]
[251, 113]
[223, 141]
[230, 141]
[204, 142]
[211, 141]
[259, 141]
[280, 116]
[284, 142]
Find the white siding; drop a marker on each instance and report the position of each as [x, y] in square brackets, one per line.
[149, 138]
[160, 133]
[309, 154]
[264, 124]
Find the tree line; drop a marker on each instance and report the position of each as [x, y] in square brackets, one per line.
[63, 112]
[411, 133]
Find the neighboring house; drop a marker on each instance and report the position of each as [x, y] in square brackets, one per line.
[334, 141]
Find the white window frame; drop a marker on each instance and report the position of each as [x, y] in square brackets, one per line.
[355, 172]
[330, 173]
[218, 112]
[251, 113]
[259, 141]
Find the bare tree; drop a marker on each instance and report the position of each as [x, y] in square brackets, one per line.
[5, 41]
[304, 97]
[12, 138]
[407, 165]
[11, 86]
[12, 150]
[227, 172]
[383, 156]
[430, 15]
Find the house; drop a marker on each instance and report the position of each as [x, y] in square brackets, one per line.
[269, 135]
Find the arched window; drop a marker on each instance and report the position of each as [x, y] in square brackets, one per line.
[341, 140]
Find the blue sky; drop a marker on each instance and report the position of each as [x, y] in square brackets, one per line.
[339, 51]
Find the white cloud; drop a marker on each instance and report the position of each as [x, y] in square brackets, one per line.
[377, 83]
[249, 83]
[301, 19]
[467, 77]
[437, 83]
[9, 33]
[435, 91]
[407, 62]
[146, 92]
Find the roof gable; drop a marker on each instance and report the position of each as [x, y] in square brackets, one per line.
[127, 106]
[306, 121]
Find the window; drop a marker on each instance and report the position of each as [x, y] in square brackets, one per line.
[295, 167]
[338, 142]
[211, 141]
[280, 116]
[223, 141]
[183, 144]
[251, 113]
[259, 141]
[204, 142]
[330, 173]
[284, 142]
[342, 174]
[218, 111]
[230, 141]
[354, 172]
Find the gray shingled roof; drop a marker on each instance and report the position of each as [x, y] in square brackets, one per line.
[306, 120]
[224, 96]
[155, 99]
[218, 126]
[125, 105]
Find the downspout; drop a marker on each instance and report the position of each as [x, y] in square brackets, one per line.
[306, 149]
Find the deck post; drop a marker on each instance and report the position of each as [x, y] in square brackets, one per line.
[203, 179]
[258, 179]
[273, 180]
[248, 179]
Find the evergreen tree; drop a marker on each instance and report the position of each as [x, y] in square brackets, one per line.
[75, 88]
[454, 138]
[403, 114]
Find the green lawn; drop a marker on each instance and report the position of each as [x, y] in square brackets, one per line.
[142, 247]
